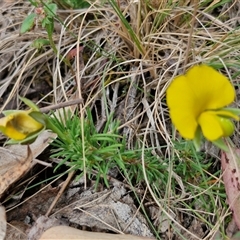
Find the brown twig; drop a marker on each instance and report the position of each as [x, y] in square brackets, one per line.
[63, 187]
[60, 105]
[190, 35]
[71, 174]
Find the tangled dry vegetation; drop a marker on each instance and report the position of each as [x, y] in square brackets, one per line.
[116, 73]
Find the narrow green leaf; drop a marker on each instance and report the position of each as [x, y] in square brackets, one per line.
[127, 25]
[109, 149]
[235, 111]
[221, 144]
[197, 139]
[39, 117]
[29, 103]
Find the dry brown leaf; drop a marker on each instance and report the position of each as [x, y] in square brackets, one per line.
[231, 176]
[16, 160]
[16, 230]
[3, 223]
[73, 53]
[17, 166]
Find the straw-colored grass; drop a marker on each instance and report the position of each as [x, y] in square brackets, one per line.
[125, 68]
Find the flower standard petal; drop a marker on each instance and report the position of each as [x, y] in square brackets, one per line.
[212, 88]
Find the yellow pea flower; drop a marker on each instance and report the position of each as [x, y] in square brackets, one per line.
[196, 101]
[19, 125]
[24, 126]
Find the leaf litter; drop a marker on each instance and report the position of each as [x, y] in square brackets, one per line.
[16, 160]
[13, 168]
[230, 162]
[3, 223]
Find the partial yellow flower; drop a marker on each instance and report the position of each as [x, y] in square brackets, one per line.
[197, 98]
[18, 125]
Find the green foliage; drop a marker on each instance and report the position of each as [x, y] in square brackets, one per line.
[45, 15]
[155, 170]
[192, 167]
[236, 236]
[50, 10]
[40, 43]
[28, 23]
[127, 25]
[101, 151]
[75, 4]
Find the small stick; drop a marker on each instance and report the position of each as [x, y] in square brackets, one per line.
[60, 105]
[189, 44]
[63, 187]
[70, 174]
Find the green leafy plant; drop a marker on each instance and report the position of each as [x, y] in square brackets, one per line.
[44, 13]
[99, 152]
[75, 4]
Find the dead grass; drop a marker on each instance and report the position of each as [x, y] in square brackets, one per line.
[113, 74]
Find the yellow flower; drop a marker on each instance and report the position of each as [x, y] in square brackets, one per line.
[19, 125]
[196, 100]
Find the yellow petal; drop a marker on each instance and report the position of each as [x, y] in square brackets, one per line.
[210, 87]
[7, 129]
[215, 127]
[184, 109]
[25, 124]
[12, 133]
[201, 89]
[186, 123]
[19, 125]
[4, 121]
